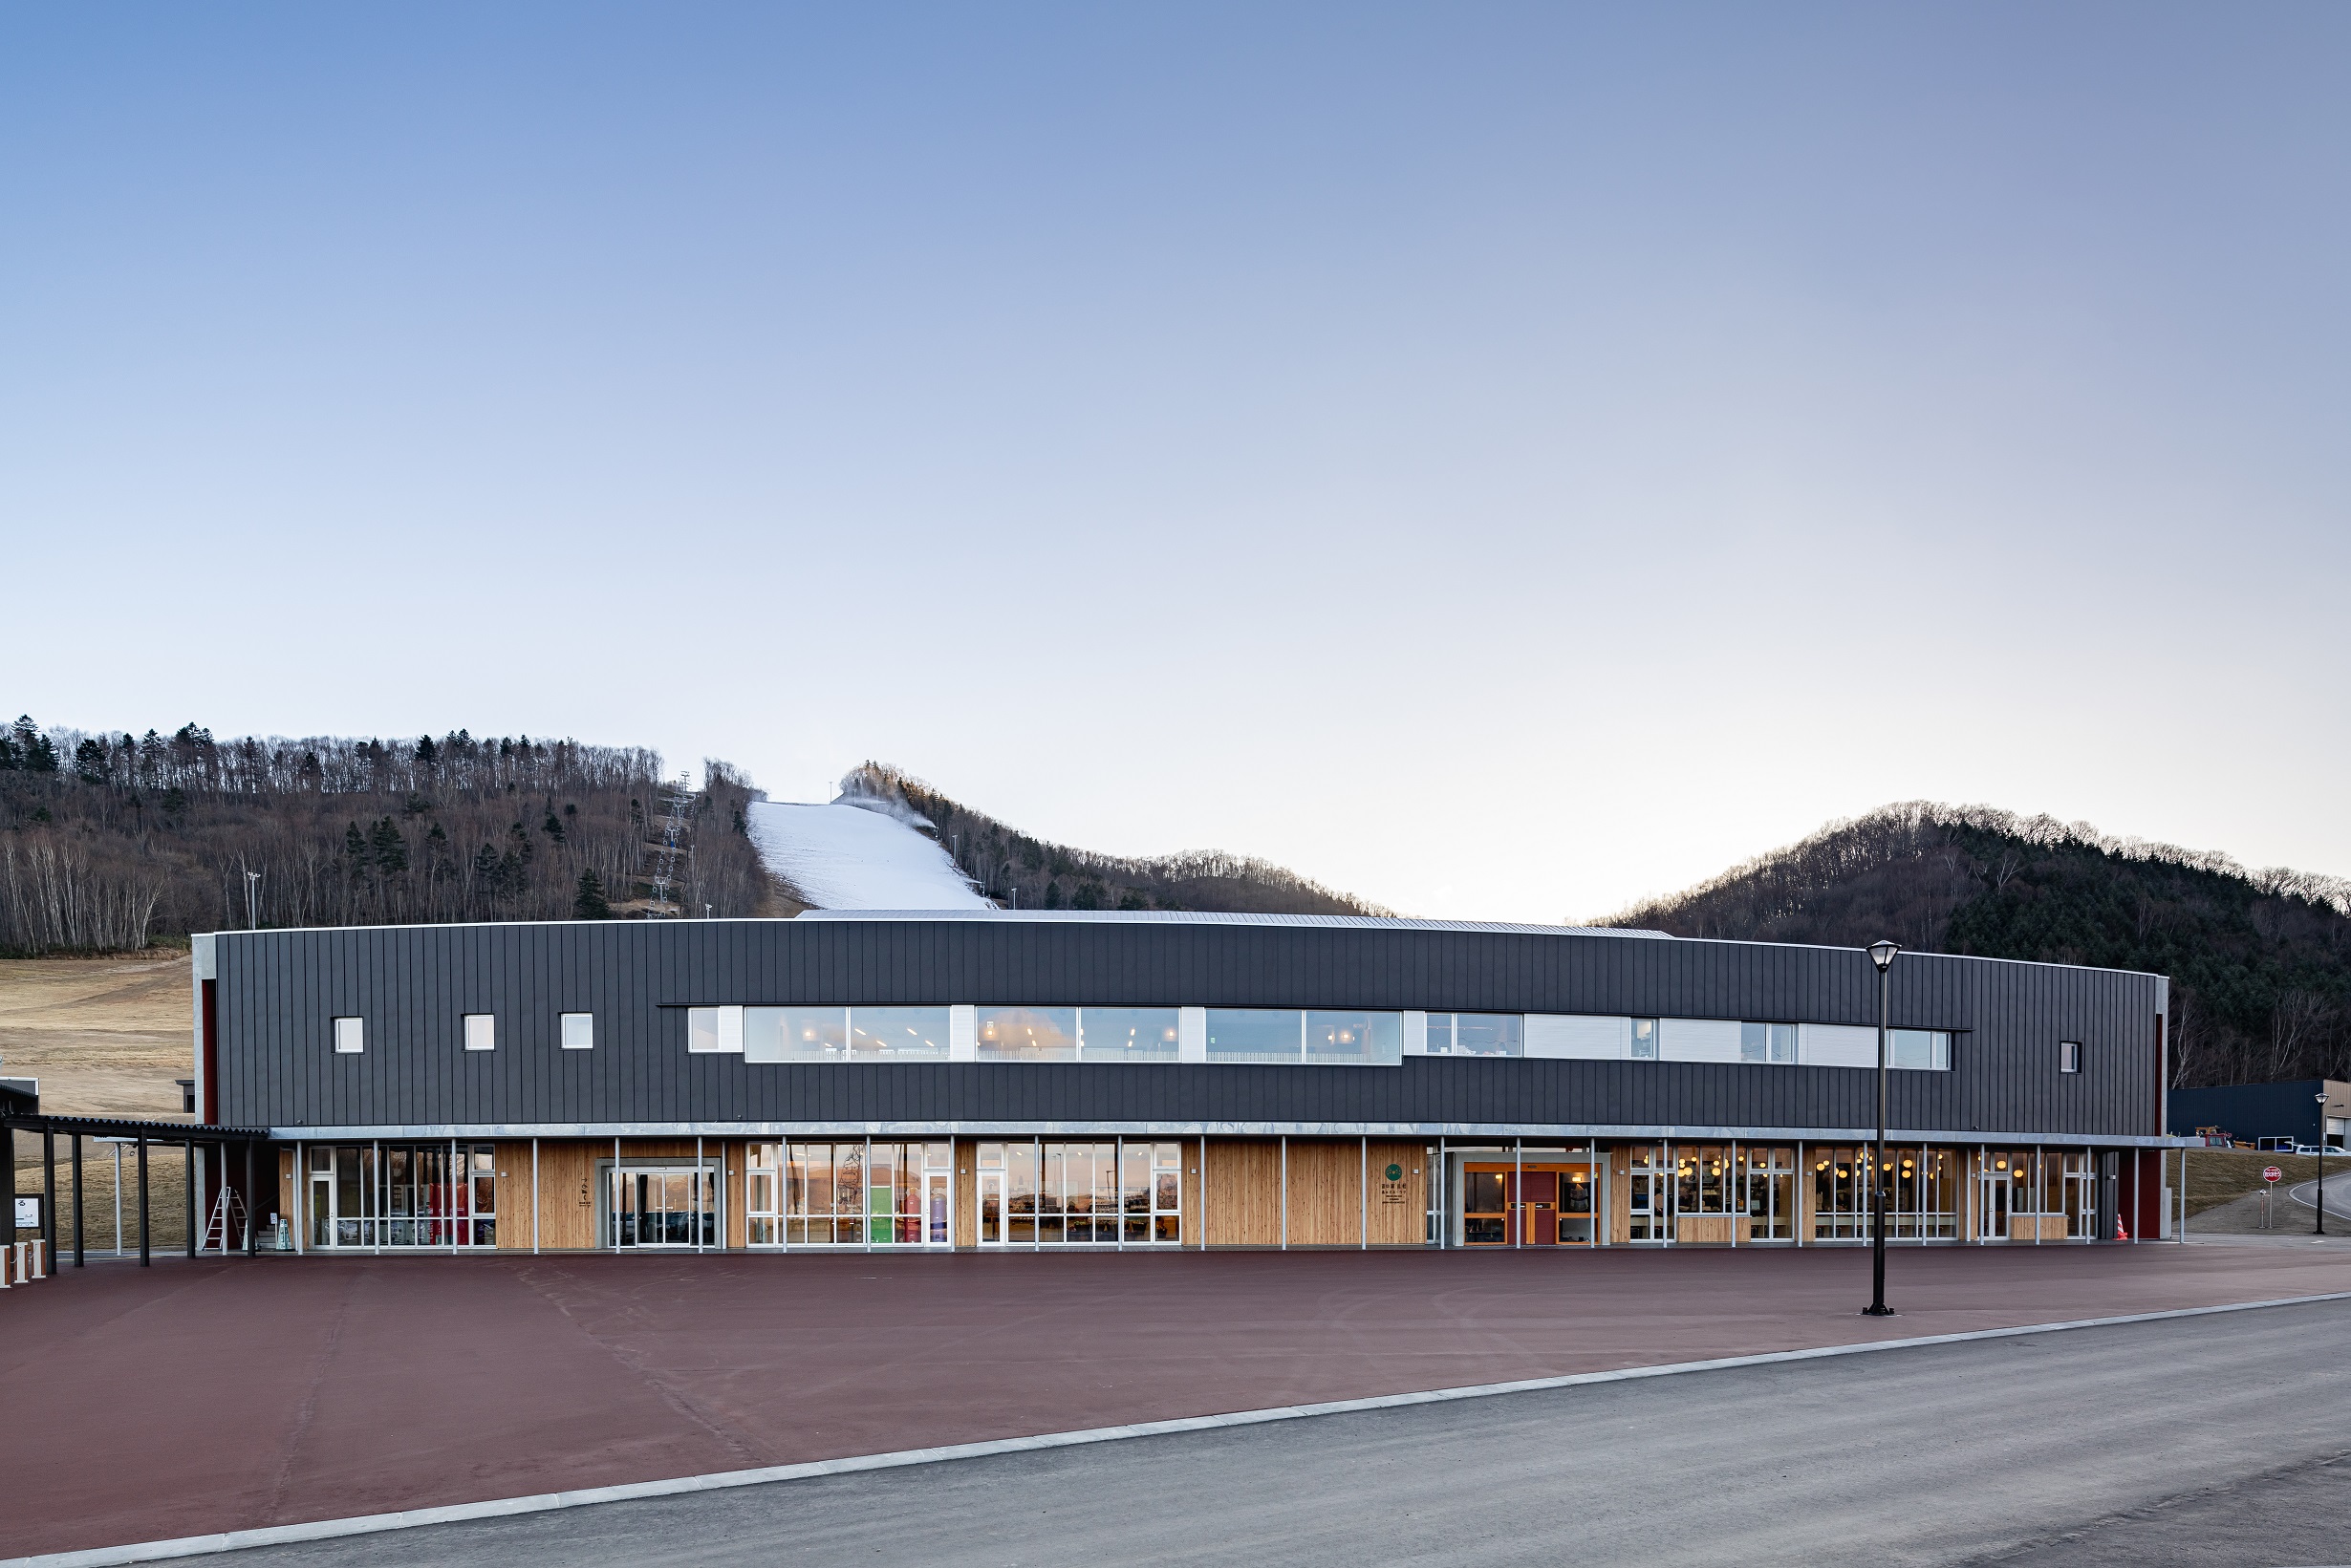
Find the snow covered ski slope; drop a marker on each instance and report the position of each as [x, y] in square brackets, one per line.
[847, 857]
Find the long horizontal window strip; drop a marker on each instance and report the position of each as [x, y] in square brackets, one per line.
[1077, 1034]
[1282, 1037]
[1765, 1042]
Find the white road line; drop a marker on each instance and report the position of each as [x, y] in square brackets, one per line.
[365, 1524]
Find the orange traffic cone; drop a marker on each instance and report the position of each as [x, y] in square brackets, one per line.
[2120, 1233]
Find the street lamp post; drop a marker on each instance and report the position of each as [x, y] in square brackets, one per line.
[2321, 1231]
[1880, 953]
[253, 902]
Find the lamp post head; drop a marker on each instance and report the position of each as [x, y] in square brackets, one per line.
[1882, 954]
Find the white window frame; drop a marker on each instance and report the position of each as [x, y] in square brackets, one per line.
[2069, 1055]
[481, 1031]
[587, 1031]
[349, 1035]
[714, 1031]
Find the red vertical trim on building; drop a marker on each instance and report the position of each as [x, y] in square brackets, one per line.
[210, 1108]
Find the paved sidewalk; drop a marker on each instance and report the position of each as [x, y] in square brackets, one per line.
[197, 1397]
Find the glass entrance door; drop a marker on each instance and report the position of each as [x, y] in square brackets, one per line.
[1650, 1196]
[675, 1207]
[1995, 1190]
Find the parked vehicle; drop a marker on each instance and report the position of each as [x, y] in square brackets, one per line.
[2274, 1146]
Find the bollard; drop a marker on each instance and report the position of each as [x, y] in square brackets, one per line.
[16, 1263]
[40, 1257]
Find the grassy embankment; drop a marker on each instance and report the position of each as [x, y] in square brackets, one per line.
[106, 1037]
[2222, 1175]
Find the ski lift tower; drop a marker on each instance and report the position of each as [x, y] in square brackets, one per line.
[675, 798]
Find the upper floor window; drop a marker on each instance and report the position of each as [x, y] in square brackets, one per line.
[1476, 1034]
[1923, 1048]
[349, 1036]
[579, 1031]
[1767, 1043]
[2069, 1055]
[481, 1031]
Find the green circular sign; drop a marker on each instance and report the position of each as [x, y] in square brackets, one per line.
[1395, 1173]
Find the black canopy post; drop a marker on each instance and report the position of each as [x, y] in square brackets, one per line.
[49, 1198]
[8, 1185]
[252, 1233]
[188, 1198]
[78, 1262]
[144, 1258]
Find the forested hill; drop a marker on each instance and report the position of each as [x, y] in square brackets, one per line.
[1017, 870]
[2260, 961]
[110, 841]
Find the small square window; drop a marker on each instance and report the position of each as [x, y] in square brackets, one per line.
[714, 1029]
[2069, 1055]
[1645, 1040]
[481, 1031]
[579, 1031]
[349, 1036]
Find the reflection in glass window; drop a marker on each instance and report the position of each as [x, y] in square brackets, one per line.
[897, 1034]
[1489, 1034]
[1645, 1040]
[1358, 1038]
[1926, 1049]
[1253, 1034]
[1127, 1034]
[794, 1034]
[1767, 1043]
[1029, 1033]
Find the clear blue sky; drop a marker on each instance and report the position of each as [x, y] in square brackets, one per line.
[1502, 460]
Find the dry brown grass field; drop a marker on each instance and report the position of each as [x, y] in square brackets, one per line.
[106, 1037]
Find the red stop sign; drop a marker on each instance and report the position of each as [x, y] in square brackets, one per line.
[2271, 1172]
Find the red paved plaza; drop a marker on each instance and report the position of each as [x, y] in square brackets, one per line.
[199, 1397]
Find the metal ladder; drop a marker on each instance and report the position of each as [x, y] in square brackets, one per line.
[227, 1219]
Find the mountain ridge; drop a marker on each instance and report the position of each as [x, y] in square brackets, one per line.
[2260, 960]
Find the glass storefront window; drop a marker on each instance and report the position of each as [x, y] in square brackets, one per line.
[795, 1034]
[1084, 1194]
[404, 1195]
[857, 1193]
[897, 1034]
[1254, 1034]
[1703, 1179]
[1029, 1033]
[1355, 1039]
[1127, 1034]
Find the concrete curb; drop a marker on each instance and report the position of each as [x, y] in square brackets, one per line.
[234, 1541]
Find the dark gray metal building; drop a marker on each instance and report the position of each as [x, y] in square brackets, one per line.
[1030, 1080]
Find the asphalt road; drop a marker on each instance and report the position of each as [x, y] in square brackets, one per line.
[2223, 1438]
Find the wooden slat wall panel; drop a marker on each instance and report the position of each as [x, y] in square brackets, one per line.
[566, 1193]
[1399, 1208]
[1324, 1202]
[1244, 1177]
[514, 1195]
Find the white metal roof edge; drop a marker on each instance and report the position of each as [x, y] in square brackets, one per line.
[1344, 922]
[1219, 918]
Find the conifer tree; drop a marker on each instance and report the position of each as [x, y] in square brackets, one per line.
[591, 904]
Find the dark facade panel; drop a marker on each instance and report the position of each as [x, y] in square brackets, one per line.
[278, 990]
